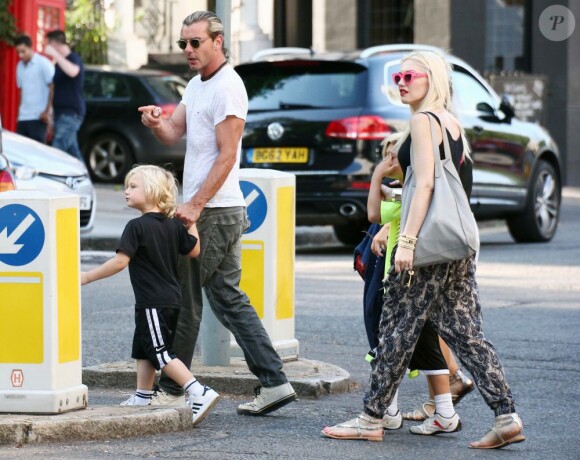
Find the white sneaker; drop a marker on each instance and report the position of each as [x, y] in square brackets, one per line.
[438, 424]
[268, 400]
[202, 404]
[132, 401]
[162, 398]
[392, 422]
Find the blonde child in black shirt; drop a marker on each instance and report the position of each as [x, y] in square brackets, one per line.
[150, 246]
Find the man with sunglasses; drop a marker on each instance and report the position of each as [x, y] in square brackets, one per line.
[212, 115]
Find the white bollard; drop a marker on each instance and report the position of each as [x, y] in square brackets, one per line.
[40, 329]
[268, 253]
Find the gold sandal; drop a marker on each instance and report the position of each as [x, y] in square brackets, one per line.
[507, 429]
[424, 412]
[364, 427]
[460, 386]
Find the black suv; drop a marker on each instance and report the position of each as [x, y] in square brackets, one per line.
[323, 117]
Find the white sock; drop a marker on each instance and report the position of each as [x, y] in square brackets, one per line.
[394, 406]
[193, 387]
[143, 397]
[444, 405]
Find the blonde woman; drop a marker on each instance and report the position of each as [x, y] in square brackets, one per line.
[444, 294]
[150, 246]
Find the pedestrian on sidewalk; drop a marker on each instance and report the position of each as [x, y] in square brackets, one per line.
[448, 385]
[150, 245]
[68, 102]
[212, 114]
[34, 74]
[445, 293]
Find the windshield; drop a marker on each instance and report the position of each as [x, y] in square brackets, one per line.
[296, 84]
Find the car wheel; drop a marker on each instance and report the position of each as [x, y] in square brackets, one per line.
[539, 220]
[109, 158]
[350, 234]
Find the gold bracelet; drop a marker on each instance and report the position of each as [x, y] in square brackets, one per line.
[409, 238]
[406, 244]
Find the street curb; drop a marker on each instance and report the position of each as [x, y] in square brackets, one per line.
[303, 239]
[310, 379]
[93, 423]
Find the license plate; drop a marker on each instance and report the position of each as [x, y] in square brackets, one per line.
[85, 202]
[278, 155]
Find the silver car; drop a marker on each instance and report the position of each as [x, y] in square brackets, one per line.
[38, 166]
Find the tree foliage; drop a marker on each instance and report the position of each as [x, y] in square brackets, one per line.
[86, 31]
[8, 30]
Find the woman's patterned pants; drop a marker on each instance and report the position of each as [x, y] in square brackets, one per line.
[447, 296]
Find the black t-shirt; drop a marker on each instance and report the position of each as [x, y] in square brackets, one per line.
[153, 242]
[68, 91]
[464, 168]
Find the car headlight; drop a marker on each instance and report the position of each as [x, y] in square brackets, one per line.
[22, 172]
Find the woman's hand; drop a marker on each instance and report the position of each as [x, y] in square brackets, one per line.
[404, 259]
[379, 243]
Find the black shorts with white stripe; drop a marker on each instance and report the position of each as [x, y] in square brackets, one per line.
[154, 333]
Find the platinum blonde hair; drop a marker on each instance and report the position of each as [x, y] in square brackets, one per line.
[215, 26]
[160, 187]
[439, 92]
[391, 139]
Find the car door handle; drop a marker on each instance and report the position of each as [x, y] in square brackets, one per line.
[478, 129]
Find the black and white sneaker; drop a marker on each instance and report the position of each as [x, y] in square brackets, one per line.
[202, 404]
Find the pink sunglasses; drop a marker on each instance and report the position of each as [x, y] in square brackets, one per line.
[407, 76]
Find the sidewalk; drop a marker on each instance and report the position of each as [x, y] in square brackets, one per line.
[107, 420]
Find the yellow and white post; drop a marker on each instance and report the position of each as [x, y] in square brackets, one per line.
[40, 311]
[268, 250]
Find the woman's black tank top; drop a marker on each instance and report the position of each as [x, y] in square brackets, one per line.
[464, 168]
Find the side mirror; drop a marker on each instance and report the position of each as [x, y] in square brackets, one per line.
[507, 106]
[485, 108]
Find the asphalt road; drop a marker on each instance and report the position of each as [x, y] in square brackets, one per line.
[531, 301]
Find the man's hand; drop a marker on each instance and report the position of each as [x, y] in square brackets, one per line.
[51, 51]
[45, 116]
[188, 213]
[150, 116]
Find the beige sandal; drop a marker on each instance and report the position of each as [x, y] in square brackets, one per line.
[424, 412]
[364, 428]
[507, 429]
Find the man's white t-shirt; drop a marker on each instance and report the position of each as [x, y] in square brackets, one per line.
[208, 103]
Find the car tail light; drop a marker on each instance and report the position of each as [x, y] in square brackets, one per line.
[365, 127]
[6, 181]
[167, 109]
[360, 185]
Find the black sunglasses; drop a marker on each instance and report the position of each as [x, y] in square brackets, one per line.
[194, 42]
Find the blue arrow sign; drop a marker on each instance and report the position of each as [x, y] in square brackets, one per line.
[257, 205]
[21, 235]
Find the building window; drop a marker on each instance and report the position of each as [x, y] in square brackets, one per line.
[385, 21]
[506, 31]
